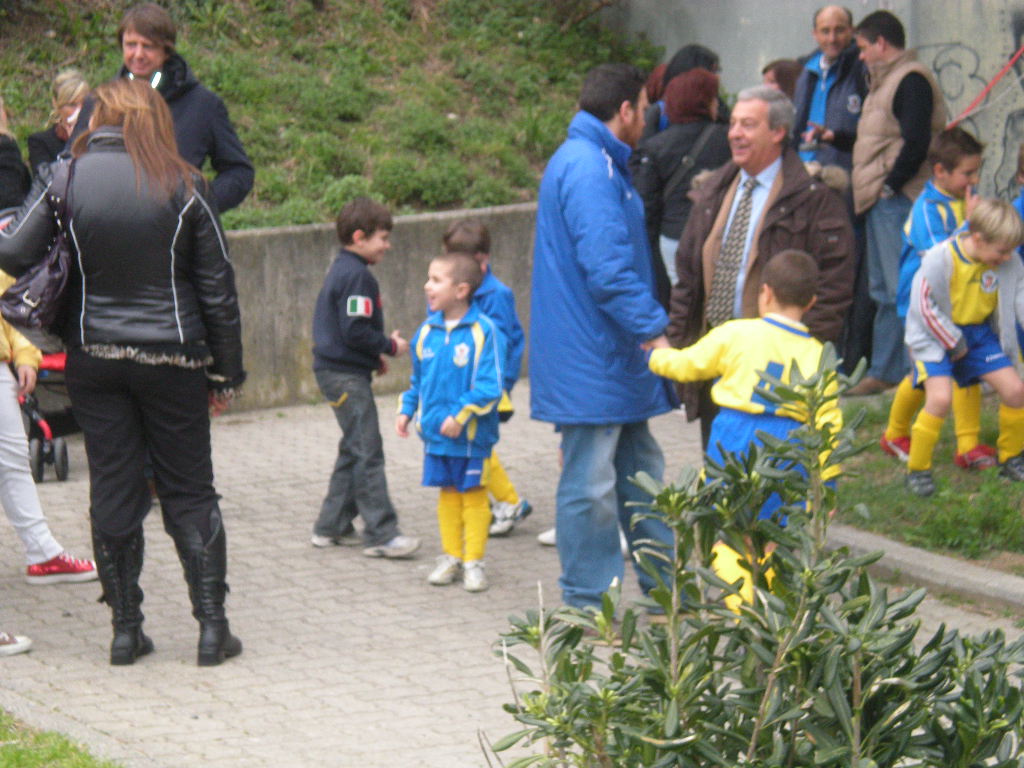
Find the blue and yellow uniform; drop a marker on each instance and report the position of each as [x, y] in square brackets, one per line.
[457, 372]
[496, 300]
[974, 296]
[736, 353]
[935, 217]
[956, 304]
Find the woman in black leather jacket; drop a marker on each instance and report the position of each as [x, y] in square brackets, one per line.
[154, 342]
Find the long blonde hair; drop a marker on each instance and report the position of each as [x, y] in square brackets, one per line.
[148, 129]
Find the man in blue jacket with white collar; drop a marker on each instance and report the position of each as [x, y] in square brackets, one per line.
[593, 306]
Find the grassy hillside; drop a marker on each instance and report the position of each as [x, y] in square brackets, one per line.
[460, 108]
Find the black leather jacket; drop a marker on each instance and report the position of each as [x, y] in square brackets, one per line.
[147, 274]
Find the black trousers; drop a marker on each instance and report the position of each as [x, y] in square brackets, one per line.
[128, 409]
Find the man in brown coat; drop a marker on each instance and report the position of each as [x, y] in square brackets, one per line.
[761, 202]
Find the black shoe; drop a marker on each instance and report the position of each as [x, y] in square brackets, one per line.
[921, 482]
[1013, 468]
[118, 564]
[205, 566]
[216, 643]
[128, 645]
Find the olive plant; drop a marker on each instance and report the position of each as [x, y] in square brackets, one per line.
[820, 669]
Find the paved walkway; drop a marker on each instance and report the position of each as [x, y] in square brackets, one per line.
[348, 661]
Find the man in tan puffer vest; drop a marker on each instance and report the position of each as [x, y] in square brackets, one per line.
[903, 110]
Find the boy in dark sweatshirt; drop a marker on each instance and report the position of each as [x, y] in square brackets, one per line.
[349, 344]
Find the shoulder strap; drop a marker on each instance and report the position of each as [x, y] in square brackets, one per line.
[685, 168]
[60, 192]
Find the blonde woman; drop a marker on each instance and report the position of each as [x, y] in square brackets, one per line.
[154, 342]
[69, 91]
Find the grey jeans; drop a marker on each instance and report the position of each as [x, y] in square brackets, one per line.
[358, 485]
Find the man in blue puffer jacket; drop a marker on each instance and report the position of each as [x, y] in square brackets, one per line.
[593, 306]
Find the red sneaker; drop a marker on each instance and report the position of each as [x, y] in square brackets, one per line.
[898, 447]
[62, 568]
[980, 456]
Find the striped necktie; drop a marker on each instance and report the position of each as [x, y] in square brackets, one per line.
[722, 299]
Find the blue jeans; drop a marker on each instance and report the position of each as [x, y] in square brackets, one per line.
[593, 491]
[885, 222]
[358, 485]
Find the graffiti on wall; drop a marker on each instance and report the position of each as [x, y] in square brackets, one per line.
[963, 69]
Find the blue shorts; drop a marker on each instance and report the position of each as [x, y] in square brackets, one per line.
[984, 355]
[736, 431]
[458, 472]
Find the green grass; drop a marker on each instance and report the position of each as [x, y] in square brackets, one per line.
[973, 514]
[357, 98]
[22, 747]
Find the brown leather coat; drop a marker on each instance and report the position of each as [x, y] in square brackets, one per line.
[802, 212]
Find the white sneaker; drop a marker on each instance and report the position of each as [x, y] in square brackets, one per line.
[397, 547]
[13, 644]
[446, 571]
[348, 540]
[547, 538]
[502, 518]
[473, 577]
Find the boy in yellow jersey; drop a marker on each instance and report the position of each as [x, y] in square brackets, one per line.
[939, 212]
[736, 353]
[965, 304]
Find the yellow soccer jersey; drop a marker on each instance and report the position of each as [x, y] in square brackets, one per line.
[736, 353]
[973, 288]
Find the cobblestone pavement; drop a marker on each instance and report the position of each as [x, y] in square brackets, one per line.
[348, 661]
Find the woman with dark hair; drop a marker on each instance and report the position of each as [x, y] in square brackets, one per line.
[154, 343]
[688, 57]
[661, 176]
[782, 75]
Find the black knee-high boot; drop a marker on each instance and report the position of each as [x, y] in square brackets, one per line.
[205, 566]
[119, 563]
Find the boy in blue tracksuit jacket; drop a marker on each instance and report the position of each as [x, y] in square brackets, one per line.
[496, 300]
[454, 392]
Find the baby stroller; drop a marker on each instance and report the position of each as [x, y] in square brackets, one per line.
[48, 418]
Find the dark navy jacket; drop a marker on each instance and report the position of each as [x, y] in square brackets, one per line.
[842, 110]
[201, 128]
[348, 319]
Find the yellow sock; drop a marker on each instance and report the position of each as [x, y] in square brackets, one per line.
[449, 520]
[727, 565]
[1011, 432]
[905, 404]
[966, 416]
[923, 438]
[498, 484]
[476, 519]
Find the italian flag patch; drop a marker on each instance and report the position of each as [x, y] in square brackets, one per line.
[359, 306]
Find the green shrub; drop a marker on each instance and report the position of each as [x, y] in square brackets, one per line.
[820, 669]
[442, 182]
[394, 177]
[341, 191]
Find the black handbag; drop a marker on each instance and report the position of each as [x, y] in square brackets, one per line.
[35, 302]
